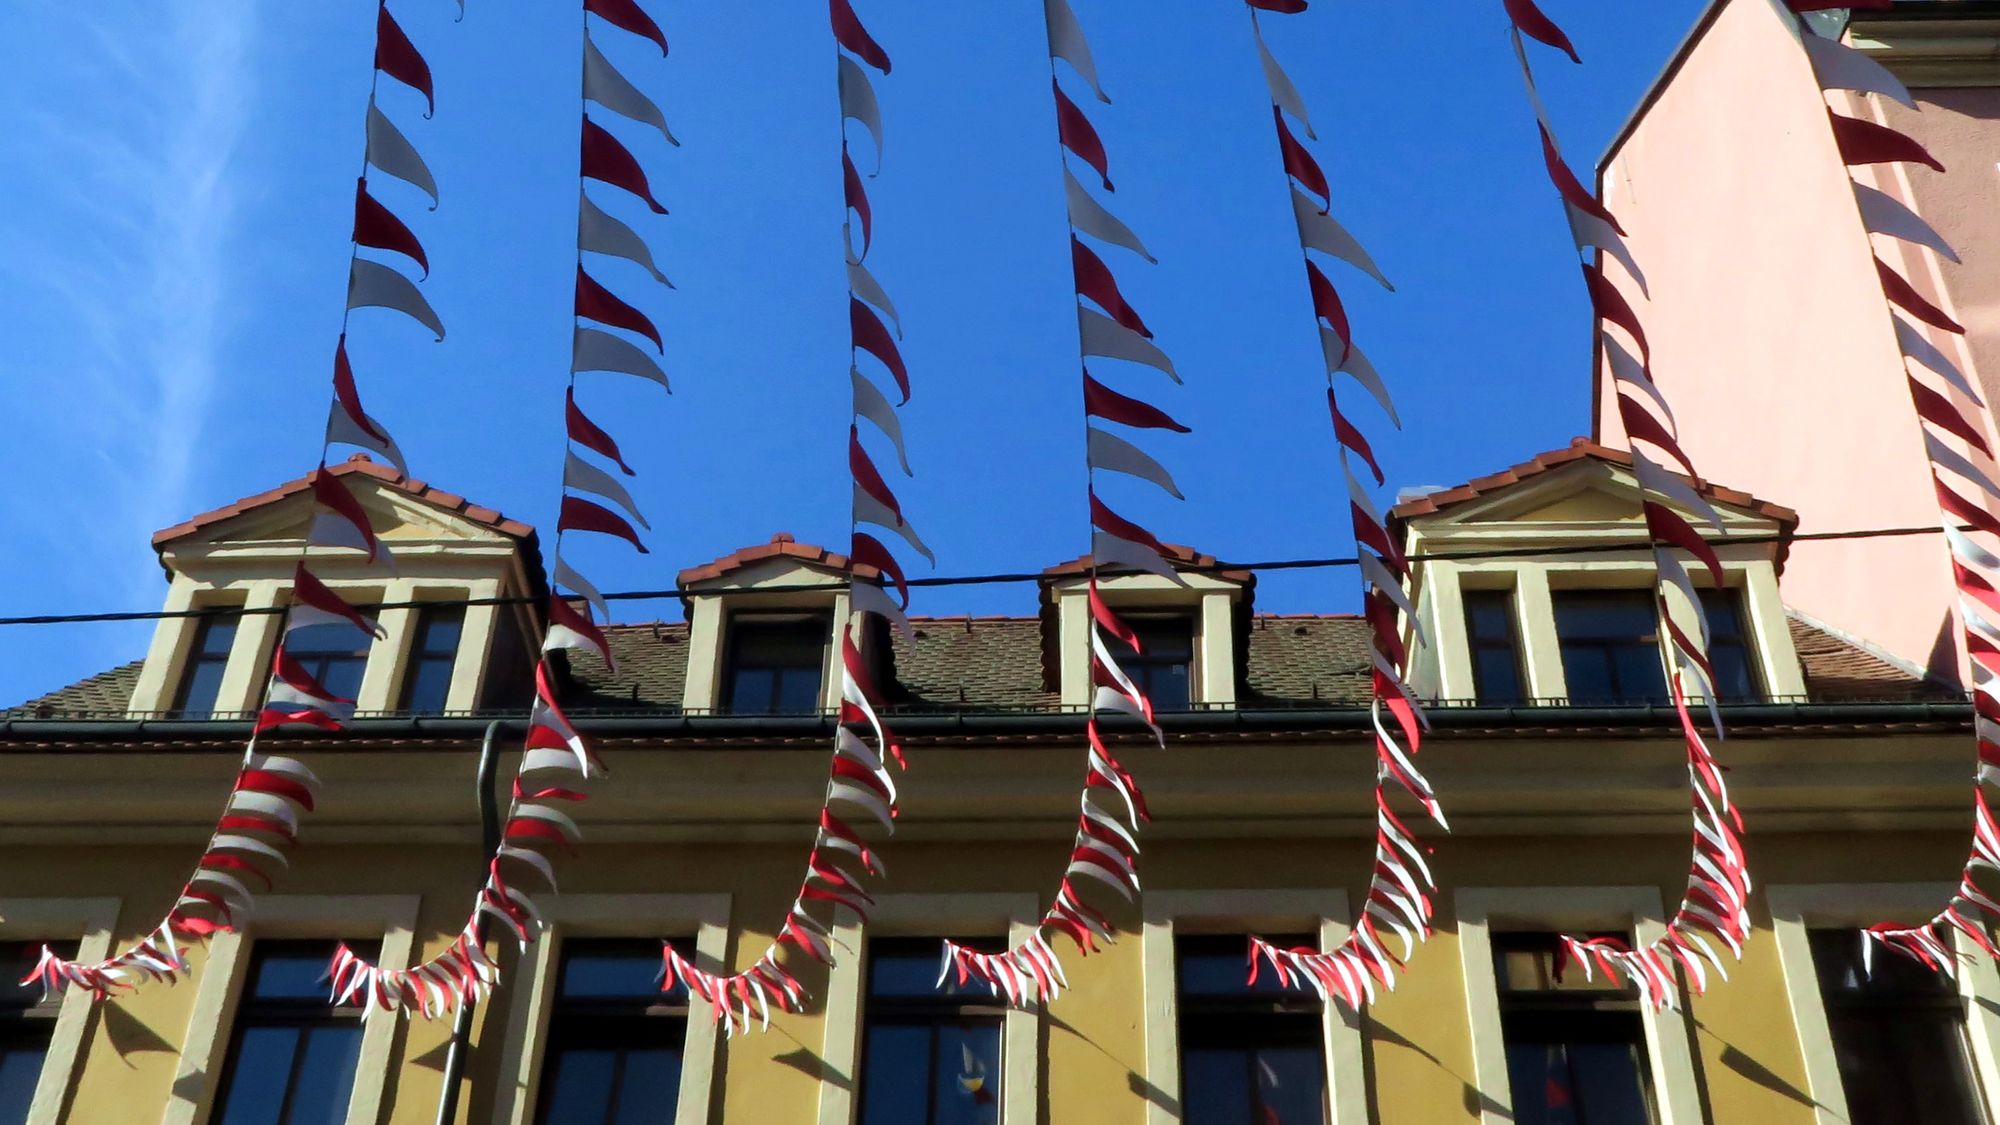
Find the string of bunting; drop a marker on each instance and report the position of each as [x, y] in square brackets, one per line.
[1400, 884]
[860, 794]
[1955, 442]
[1104, 852]
[260, 818]
[1716, 901]
[555, 759]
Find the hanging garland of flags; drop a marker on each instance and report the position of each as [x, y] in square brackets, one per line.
[1105, 850]
[1400, 885]
[1954, 441]
[260, 819]
[555, 757]
[859, 788]
[1716, 901]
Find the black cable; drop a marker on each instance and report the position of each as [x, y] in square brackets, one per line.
[1003, 578]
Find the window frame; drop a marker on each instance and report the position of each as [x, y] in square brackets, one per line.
[1545, 1008]
[1510, 599]
[1000, 915]
[413, 657]
[1169, 914]
[1798, 908]
[733, 626]
[532, 1003]
[973, 1001]
[223, 975]
[1635, 910]
[1140, 620]
[292, 1012]
[89, 921]
[226, 615]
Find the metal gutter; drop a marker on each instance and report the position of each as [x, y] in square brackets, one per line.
[1736, 716]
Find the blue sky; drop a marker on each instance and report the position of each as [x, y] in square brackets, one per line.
[177, 231]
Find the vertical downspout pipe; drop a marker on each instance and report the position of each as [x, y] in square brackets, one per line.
[489, 834]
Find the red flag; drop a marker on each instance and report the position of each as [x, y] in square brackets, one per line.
[628, 15]
[1288, 7]
[1898, 289]
[376, 226]
[1664, 526]
[1535, 25]
[345, 393]
[869, 551]
[848, 31]
[1571, 188]
[1351, 437]
[1095, 282]
[398, 58]
[872, 336]
[579, 514]
[1327, 306]
[1611, 305]
[329, 493]
[867, 476]
[1938, 410]
[595, 302]
[1080, 137]
[605, 159]
[586, 433]
[1103, 402]
[1110, 522]
[857, 198]
[308, 590]
[1865, 142]
[1299, 163]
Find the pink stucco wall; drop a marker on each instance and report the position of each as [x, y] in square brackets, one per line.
[1769, 332]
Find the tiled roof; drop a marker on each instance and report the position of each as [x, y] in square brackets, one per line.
[781, 546]
[995, 664]
[1837, 668]
[358, 465]
[1579, 449]
[105, 693]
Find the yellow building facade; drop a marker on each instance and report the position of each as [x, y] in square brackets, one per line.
[1568, 813]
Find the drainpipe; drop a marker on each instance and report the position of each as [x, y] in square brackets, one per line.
[489, 834]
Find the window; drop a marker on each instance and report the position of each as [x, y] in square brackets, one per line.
[1576, 1048]
[292, 1055]
[614, 1040]
[775, 665]
[433, 654]
[1898, 1035]
[26, 1021]
[1249, 1053]
[510, 666]
[1729, 647]
[928, 1057]
[1610, 653]
[1164, 665]
[201, 679]
[335, 654]
[1496, 647]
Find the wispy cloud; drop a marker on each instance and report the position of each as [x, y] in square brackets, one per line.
[126, 264]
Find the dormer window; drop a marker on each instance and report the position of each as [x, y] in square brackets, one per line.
[433, 656]
[1610, 648]
[334, 654]
[201, 676]
[1495, 642]
[774, 664]
[1163, 667]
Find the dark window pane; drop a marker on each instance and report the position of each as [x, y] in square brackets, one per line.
[615, 1040]
[1496, 647]
[292, 1056]
[260, 1072]
[930, 1055]
[334, 654]
[1609, 649]
[1249, 1053]
[201, 679]
[1576, 1047]
[433, 654]
[1729, 646]
[510, 670]
[1898, 1035]
[895, 1067]
[1163, 667]
[775, 666]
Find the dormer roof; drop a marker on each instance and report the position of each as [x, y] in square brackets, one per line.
[359, 465]
[1579, 450]
[1182, 558]
[781, 546]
